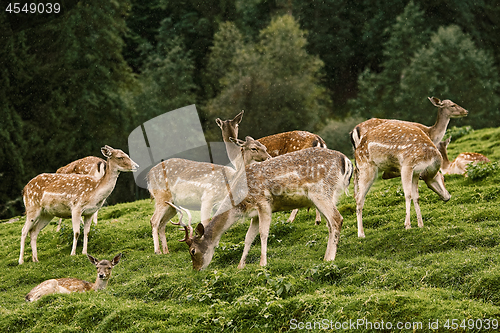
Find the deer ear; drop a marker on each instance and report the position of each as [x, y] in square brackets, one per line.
[249, 138]
[237, 142]
[435, 101]
[106, 151]
[239, 117]
[219, 122]
[447, 141]
[93, 260]
[116, 259]
[200, 230]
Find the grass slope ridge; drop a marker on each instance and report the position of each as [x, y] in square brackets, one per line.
[450, 269]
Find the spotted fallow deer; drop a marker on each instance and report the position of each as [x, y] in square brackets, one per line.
[446, 110]
[276, 144]
[71, 285]
[90, 165]
[195, 185]
[70, 195]
[459, 165]
[397, 147]
[305, 178]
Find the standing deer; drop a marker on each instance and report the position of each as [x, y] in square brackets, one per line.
[276, 144]
[196, 185]
[90, 165]
[446, 110]
[70, 195]
[397, 147]
[305, 178]
[459, 165]
[71, 285]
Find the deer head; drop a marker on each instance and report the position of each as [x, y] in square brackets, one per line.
[230, 127]
[449, 109]
[123, 161]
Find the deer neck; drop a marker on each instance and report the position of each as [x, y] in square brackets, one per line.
[100, 284]
[107, 183]
[219, 225]
[444, 154]
[437, 131]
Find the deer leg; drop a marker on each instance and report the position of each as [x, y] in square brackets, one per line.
[333, 222]
[363, 179]
[94, 218]
[59, 225]
[170, 212]
[87, 221]
[30, 220]
[406, 178]
[318, 218]
[265, 215]
[415, 198]
[42, 222]
[75, 221]
[293, 215]
[253, 230]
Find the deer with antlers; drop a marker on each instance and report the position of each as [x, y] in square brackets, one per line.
[276, 144]
[196, 185]
[71, 285]
[446, 110]
[90, 165]
[70, 195]
[305, 178]
[459, 165]
[397, 147]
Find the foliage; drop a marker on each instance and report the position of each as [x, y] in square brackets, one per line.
[482, 170]
[451, 66]
[274, 80]
[458, 132]
[447, 269]
[336, 134]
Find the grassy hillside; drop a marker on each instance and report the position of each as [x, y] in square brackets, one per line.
[448, 271]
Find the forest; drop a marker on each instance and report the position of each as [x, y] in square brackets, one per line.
[74, 81]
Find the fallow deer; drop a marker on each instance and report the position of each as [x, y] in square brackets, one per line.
[70, 195]
[459, 165]
[229, 130]
[195, 185]
[71, 285]
[446, 110]
[276, 144]
[90, 165]
[305, 178]
[397, 147]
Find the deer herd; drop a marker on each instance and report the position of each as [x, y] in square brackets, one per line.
[280, 172]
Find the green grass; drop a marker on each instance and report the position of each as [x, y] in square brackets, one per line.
[449, 269]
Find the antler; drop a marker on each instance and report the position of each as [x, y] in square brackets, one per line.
[187, 228]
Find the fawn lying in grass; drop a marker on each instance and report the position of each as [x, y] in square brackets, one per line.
[70, 285]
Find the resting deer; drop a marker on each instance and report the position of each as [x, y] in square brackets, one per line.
[446, 110]
[70, 195]
[397, 147]
[195, 185]
[276, 144]
[71, 285]
[90, 165]
[459, 165]
[305, 178]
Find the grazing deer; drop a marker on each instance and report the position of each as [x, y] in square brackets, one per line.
[459, 165]
[276, 144]
[70, 195]
[397, 147]
[90, 165]
[196, 185]
[71, 285]
[446, 110]
[305, 178]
